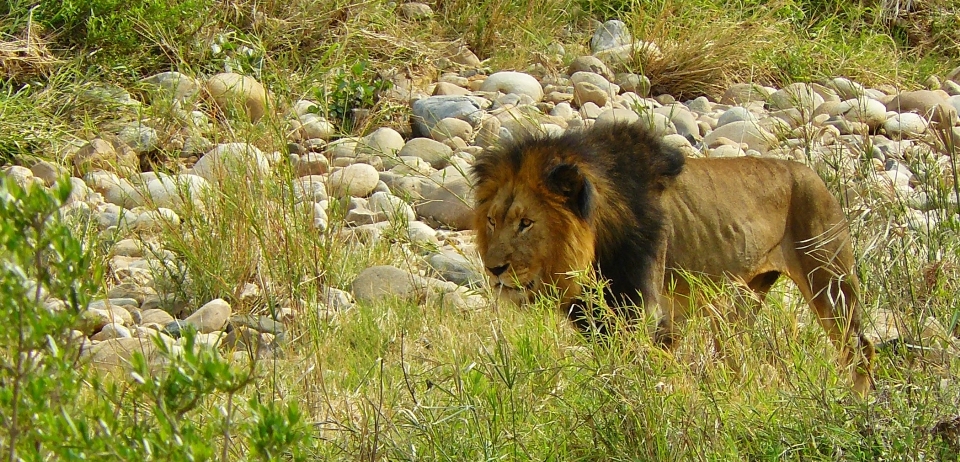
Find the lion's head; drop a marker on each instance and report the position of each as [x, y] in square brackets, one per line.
[534, 211]
[546, 207]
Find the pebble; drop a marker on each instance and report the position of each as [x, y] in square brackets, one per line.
[354, 180]
[450, 128]
[433, 152]
[448, 206]
[238, 93]
[589, 64]
[611, 34]
[428, 111]
[210, 317]
[100, 154]
[905, 125]
[383, 141]
[237, 160]
[312, 126]
[173, 85]
[513, 82]
[742, 132]
[416, 11]
[584, 92]
[141, 138]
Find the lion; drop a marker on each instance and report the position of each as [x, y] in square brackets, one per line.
[616, 201]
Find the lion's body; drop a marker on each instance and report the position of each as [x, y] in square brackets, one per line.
[618, 201]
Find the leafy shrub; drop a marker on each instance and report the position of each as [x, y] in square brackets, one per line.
[44, 283]
[355, 88]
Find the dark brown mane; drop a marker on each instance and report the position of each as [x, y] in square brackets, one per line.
[610, 177]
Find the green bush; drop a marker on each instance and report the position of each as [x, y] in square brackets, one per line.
[112, 29]
[180, 405]
[47, 275]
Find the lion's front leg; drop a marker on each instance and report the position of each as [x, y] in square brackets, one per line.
[657, 305]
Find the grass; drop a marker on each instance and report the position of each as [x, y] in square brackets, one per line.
[398, 380]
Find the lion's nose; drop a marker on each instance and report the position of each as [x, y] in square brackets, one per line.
[498, 270]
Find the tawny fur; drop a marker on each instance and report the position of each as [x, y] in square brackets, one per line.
[617, 201]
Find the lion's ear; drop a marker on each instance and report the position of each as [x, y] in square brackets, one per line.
[567, 181]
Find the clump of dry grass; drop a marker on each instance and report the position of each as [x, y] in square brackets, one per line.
[704, 62]
[25, 58]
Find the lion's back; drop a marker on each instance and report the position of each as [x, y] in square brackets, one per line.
[724, 215]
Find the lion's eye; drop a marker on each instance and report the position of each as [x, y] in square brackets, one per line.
[491, 222]
[525, 223]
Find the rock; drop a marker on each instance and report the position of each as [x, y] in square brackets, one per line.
[846, 88]
[320, 220]
[116, 190]
[141, 138]
[238, 92]
[99, 154]
[433, 152]
[116, 353]
[312, 163]
[155, 316]
[736, 114]
[616, 115]
[513, 82]
[47, 172]
[416, 11]
[657, 123]
[611, 34]
[726, 150]
[383, 141]
[210, 317]
[639, 84]
[446, 89]
[174, 85]
[684, 122]
[489, 133]
[154, 220]
[619, 58]
[742, 132]
[891, 329]
[390, 208]
[563, 111]
[796, 95]
[428, 111]
[383, 282]
[248, 340]
[129, 290]
[584, 92]
[521, 120]
[929, 104]
[355, 180]
[455, 268]
[451, 127]
[448, 205]
[232, 160]
[905, 125]
[312, 126]
[595, 79]
[464, 57]
[589, 64]
[259, 323]
[742, 93]
[421, 233]
[310, 188]
[865, 110]
[113, 330]
[305, 106]
[107, 95]
[174, 192]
